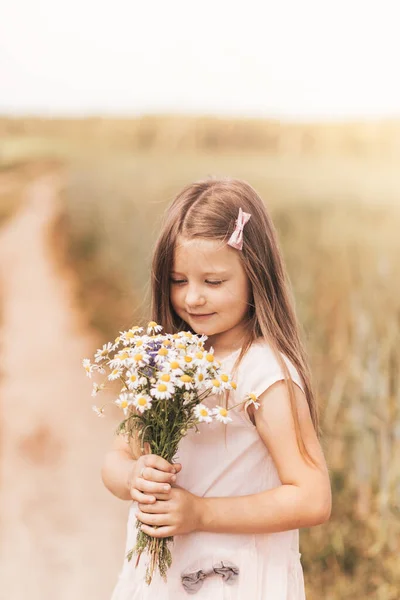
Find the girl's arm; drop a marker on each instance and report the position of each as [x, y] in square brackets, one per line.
[131, 475]
[303, 499]
[117, 468]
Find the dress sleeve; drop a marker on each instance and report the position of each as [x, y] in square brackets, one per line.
[258, 371]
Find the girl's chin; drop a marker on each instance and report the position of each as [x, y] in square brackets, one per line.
[203, 329]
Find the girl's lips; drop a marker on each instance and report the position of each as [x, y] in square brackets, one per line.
[205, 316]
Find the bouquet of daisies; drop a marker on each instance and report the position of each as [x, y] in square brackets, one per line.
[164, 379]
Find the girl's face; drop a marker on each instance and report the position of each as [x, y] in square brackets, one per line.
[210, 290]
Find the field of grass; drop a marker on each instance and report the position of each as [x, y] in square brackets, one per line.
[338, 218]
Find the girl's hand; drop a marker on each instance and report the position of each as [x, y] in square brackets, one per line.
[151, 478]
[181, 513]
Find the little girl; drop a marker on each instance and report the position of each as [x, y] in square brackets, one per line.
[239, 494]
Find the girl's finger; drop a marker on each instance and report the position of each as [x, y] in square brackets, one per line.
[155, 475]
[162, 496]
[154, 508]
[141, 498]
[155, 461]
[158, 532]
[151, 487]
[158, 520]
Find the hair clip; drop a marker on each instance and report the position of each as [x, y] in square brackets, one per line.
[236, 239]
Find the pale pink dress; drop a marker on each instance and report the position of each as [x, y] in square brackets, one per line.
[227, 460]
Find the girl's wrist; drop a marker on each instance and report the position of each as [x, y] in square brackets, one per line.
[203, 513]
[130, 475]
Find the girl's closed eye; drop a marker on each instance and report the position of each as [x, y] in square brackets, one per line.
[181, 281]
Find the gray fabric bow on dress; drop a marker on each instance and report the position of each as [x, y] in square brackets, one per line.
[192, 582]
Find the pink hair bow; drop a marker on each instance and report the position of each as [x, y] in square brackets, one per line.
[236, 239]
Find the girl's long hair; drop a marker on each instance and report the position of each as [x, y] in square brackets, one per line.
[209, 209]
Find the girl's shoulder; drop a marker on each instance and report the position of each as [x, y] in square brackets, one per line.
[259, 369]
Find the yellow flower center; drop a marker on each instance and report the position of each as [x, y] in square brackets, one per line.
[161, 387]
[199, 355]
[174, 364]
[186, 379]
[200, 377]
[167, 342]
[224, 378]
[188, 334]
[115, 372]
[88, 368]
[142, 401]
[175, 336]
[152, 324]
[188, 359]
[165, 377]
[209, 357]
[216, 383]
[130, 335]
[138, 357]
[253, 397]
[223, 412]
[204, 412]
[234, 385]
[132, 378]
[181, 346]
[139, 343]
[123, 355]
[117, 339]
[162, 352]
[124, 404]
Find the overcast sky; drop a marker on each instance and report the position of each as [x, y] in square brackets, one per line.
[281, 58]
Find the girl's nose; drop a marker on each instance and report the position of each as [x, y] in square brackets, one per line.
[194, 297]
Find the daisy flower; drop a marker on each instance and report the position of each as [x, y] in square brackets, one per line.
[103, 352]
[215, 385]
[221, 414]
[117, 342]
[152, 327]
[115, 374]
[209, 357]
[185, 381]
[124, 401]
[188, 397]
[142, 402]
[225, 383]
[203, 413]
[251, 398]
[163, 390]
[132, 380]
[187, 361]
[99, 411]
[130, 336]
[122, 358]
[162, 355]
[199, 378]
[140, 359]
[97, 388]
[173, 366]
[89, 368]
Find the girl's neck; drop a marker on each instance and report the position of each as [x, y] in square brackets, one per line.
[224, 344]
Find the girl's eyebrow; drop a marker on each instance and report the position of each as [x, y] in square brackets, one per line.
[220, 273]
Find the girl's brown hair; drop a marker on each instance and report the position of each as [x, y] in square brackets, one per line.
[209, 209]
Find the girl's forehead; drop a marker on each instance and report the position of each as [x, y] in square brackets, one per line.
[204, 254]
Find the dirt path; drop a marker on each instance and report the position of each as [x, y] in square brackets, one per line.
[61, 532]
